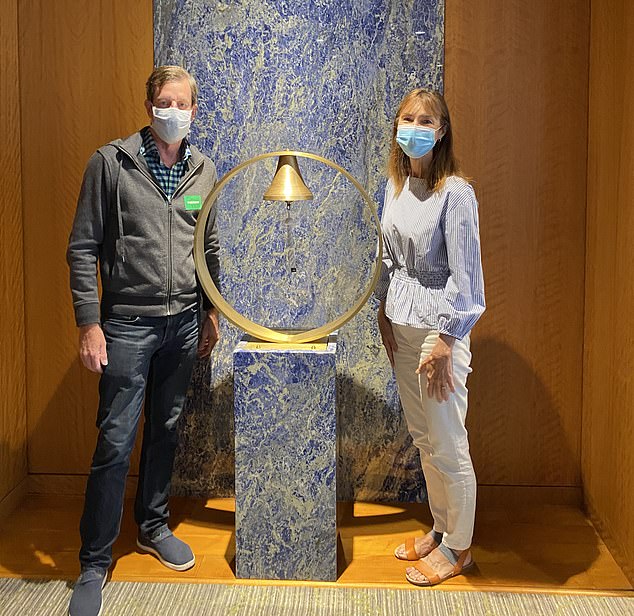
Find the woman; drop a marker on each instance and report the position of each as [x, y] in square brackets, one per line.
[431, 294]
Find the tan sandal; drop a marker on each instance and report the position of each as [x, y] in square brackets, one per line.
[437, 568]
[427, 545]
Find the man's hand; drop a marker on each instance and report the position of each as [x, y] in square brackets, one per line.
[209, 333]
[92, 347]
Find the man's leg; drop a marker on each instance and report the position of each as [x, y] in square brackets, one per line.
[130, 345]
[168, 381]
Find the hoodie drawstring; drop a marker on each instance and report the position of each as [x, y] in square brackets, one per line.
[120, 216]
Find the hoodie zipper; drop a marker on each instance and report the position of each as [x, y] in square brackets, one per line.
[169, 254]
[170, 211]
[168, 200]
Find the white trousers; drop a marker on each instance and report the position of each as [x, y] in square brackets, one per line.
[438, 430]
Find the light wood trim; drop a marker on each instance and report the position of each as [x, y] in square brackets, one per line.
[13, 499]
[13, 462]
[608, 421]
[490, 496]
[69, 485]
[612, 535]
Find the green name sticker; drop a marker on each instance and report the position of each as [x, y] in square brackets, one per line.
[193, 202]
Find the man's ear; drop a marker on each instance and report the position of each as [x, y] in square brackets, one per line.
[148, 109]
[194, 111]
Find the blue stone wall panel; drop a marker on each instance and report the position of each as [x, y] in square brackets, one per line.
[323, 76]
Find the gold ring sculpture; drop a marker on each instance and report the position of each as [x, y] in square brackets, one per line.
[287, 176]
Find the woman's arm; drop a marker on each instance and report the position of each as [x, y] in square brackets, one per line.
[387, 335]
[463, 297]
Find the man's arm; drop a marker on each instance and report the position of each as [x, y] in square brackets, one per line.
[209, 329]
[82, 255]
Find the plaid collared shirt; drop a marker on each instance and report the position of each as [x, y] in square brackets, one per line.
[167, 178]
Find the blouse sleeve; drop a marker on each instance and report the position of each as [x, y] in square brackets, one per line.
[463, 297]
[387, 266]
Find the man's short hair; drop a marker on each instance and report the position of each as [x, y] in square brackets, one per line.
[162, 74]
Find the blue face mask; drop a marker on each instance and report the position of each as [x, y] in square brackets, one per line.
[416, 141]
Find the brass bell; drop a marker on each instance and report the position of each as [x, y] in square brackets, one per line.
[288, 184]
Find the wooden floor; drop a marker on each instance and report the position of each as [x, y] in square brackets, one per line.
[535, 548]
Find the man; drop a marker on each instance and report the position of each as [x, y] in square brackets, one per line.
[135, 218]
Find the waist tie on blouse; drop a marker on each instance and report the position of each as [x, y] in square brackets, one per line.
[436, 280]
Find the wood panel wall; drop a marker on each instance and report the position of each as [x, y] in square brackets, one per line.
[608, 405]
[13, 462]
[516, 77]
[516, 81]
[84, 64]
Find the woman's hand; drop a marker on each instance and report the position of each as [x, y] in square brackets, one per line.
[438, 367]
[387, 335]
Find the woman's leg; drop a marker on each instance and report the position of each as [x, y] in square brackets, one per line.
[438, 430]
[449, 447]
[406, 360]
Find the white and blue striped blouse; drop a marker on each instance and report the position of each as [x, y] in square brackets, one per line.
[431, 275]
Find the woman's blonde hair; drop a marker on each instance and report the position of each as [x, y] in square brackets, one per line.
[443, 162]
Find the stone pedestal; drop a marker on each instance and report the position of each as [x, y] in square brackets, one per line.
[286, 454]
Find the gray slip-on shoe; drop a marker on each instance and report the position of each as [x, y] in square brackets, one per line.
[86, 598]
[170, 550]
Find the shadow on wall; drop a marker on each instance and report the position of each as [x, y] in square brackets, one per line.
[377, 461]
[517, 438]
[204, 464]
[381, 469]
[515, 423]
[376, 458]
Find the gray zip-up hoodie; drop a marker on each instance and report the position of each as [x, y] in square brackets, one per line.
[141, 238]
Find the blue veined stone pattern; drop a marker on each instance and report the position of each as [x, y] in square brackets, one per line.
[323, 76]
[286, 449]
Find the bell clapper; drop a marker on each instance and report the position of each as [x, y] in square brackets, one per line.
[290, 247]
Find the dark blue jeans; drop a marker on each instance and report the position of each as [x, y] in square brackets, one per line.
[149, 358]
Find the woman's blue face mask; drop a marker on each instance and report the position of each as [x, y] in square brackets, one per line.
[416, 141]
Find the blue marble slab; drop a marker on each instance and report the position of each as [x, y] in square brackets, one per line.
[286, 460]
[324, 76]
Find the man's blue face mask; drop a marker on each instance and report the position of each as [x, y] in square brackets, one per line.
[416, 141]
